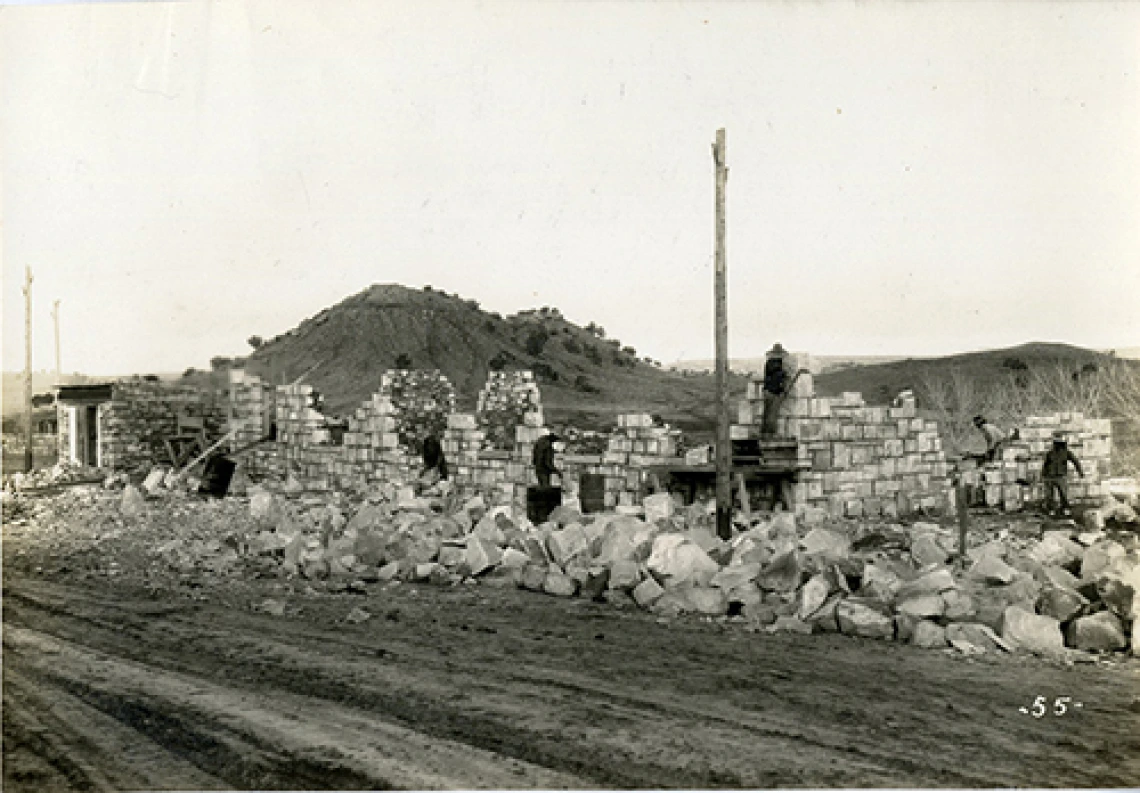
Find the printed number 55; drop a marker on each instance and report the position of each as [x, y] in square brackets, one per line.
[1060, 708]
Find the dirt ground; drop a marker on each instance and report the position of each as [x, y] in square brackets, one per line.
[109, 685]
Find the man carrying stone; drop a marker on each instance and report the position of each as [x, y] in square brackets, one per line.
[544, 459]
[1055, 473]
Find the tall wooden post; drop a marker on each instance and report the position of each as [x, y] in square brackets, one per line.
[28, 366]
[58, 364]
[723, 443]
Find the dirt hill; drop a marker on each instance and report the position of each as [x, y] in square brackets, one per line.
[881, 382]
[585, 378]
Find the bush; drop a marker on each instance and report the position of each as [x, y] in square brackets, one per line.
[403, 361]
[500, 361]
[536, 341]
[594, 355]
[255, 341]
[583, 384]
[572, 346]
[544, 371]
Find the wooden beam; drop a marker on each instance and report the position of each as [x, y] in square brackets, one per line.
[723, 443]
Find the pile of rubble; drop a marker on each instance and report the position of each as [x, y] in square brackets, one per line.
[1052, 589]
[62, 473]
[1072, 588]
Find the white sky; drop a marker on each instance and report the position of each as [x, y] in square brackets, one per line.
[905, 178]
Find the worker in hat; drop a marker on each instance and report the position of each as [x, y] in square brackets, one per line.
[1055, 473]
[544, 458]
[777, 385]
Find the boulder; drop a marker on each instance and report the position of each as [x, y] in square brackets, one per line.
[825, 618]
[1058, 576]
[388, 572]
[647, 592]
[533, 577]
[992, 570]
[1060, 603]
[657, 506]
[1024, 589]
[926, 550]
[959, 605]
[624, 575]
[481, 555]
[931, 583]
[620, 541]
[1056, 548]
[783, 573]
[678, 560]
[880, 581]
[977, 635]
[813, 596]
[928, 635]
[745, 594]
[156, 477]
[450, 555]
[513, 559]
[535, 549]
[132, 504]
[1033, 632]
[559, 585]
[735, 575]
[922, 606]
[693, 600]
[564, 516]
[788, 624]
[488, 529]
[865, 618]
[1100, 632]
[824, 542]
[1100, 557]
[759, 613]
[993, 549]
[568, 544]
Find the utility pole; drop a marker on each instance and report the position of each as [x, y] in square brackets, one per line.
[723, 443]
[28, 365]
[58, 365]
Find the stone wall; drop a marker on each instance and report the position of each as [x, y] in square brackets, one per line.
[139, 417]
[1015, 479]
[857, 459]
[508, 400]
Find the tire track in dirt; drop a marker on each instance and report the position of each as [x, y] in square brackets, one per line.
[661, 707]
[320, 741]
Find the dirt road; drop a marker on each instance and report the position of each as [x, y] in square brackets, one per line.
[110, 687]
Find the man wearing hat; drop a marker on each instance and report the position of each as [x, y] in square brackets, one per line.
[1055, 473]
[777, 386]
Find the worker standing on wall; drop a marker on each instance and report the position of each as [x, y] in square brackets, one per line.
[1055, 473]
[544, 459]
[775, 388]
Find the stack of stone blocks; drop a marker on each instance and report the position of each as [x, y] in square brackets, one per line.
[859, 460]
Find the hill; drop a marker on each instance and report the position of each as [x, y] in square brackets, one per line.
[880, 382]
[585, 378]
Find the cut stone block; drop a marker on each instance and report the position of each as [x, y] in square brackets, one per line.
[858, 618]
[533, 577]
[992, 570]
[813, 595]
[922, 606]
[925, 550]
[783, 574]
[1056, 548]
[559, 585]
[647, 592]
[1100, 632]
[1033, 632]
[928, 635]
[624, 575]
[931, 583]
[678, 560]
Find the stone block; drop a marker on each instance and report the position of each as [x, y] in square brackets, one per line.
[647, 592]
[1060, 603]
[1100, 632]
[559, 585]
[928, 635]
[1032, 632]
[992, 570]
[858, 617]
[922, 606]
[783, 573]
[533, 577]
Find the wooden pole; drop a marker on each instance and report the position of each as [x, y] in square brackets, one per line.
[723, 443]
[28, 366]
[58, 364]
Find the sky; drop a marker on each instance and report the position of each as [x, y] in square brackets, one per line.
[904, 178]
